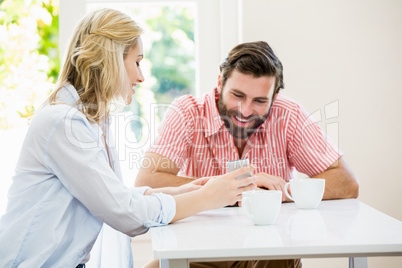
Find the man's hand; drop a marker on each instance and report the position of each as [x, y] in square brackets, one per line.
[271, 182]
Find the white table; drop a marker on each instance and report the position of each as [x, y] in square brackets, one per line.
[337, 228]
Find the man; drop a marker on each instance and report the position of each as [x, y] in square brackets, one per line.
[245, 117]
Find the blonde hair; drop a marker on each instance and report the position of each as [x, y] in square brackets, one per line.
[94, 62]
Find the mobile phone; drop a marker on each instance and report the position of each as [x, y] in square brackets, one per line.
[236, 164]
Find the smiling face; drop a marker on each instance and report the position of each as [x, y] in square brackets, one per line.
[132, 63]
[244, 102]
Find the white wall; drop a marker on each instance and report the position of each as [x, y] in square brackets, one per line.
[349, 51]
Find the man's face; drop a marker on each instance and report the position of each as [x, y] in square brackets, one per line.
[244, 102]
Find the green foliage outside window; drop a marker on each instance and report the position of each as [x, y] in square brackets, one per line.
[30, 61]
[173, 54]
[29, 57]
[171, 60]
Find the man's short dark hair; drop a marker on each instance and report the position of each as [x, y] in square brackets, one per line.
[253, 58]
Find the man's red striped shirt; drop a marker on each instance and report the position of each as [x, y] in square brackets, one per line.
[193, 135]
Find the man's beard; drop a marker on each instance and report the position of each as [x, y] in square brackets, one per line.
[236, 131]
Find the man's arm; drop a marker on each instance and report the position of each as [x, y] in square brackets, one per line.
[340, 182]
[158, 171]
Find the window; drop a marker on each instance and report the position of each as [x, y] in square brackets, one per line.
[216, 30]
[182, 47]
[169, 64]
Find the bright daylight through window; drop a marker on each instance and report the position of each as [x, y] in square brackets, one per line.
[30, 66]
[169, 68]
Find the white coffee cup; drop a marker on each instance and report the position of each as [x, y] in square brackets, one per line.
[307, 193]
[262, 207]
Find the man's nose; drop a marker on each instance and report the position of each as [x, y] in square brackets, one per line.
[246, 109]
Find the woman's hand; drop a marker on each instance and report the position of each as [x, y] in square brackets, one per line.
[217, 192]
[191, 186]
[227, 189]
[185, 188]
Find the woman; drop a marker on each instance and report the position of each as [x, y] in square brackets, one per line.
[68, 182]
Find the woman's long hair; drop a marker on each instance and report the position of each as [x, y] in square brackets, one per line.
[94, 62]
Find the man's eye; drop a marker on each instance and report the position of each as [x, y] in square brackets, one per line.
[237, 95]
[138, 64]
[261, 101]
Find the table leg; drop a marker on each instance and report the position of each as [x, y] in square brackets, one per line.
[165, 263]
[360, 262]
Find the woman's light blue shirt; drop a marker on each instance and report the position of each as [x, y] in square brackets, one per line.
[64, 190]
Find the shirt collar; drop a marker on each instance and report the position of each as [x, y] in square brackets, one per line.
[69, 95]
[212, 117]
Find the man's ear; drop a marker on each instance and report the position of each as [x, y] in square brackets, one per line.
[219, 86]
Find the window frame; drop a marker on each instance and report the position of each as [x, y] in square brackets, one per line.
[218, 29]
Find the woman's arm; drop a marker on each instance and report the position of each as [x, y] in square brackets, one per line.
[217, 192]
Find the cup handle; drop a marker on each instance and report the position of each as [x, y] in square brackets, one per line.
[287, 191]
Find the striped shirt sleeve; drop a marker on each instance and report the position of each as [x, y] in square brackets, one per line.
[310, 150]
[174, 133]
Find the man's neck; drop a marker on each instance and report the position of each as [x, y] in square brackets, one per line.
[240, 144]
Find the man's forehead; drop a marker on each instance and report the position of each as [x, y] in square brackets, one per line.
[247, 84]
[250, 92]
